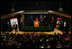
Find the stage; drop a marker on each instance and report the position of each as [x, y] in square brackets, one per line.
[50, 33]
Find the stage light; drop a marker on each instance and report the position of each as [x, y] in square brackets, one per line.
[61, 9]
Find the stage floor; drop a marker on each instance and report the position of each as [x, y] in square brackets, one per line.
[51, 32]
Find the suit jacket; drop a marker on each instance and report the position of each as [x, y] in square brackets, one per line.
[15, 26]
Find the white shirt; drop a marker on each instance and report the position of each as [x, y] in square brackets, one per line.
[64, 24]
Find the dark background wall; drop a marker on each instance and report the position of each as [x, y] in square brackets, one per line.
[35, 5]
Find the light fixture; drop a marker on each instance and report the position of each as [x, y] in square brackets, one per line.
[12, 9]
[60, 7]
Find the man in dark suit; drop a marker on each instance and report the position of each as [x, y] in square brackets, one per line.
[41, 19]
[9, 29]
[31, 20]
[15, 27]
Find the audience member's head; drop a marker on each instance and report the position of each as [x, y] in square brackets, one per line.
[34, 40]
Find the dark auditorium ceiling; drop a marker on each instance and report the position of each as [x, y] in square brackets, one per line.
[35, 5]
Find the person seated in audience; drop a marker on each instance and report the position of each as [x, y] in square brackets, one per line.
[34, 41]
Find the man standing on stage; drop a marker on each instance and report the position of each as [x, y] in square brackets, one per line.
[9, 29]
[15, 27]
[31, 21]
[64, 24]
[41, 20]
